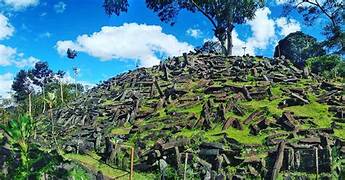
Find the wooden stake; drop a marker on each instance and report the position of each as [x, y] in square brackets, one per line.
[185, 167]
[132, 164]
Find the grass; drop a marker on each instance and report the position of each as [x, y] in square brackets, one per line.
[272, 106]
[95, 165]
[120, 131]
[319, 112]
[244, 136]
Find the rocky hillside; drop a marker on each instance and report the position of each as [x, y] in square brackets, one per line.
[210, 117]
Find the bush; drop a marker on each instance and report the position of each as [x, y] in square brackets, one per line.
[328, 66]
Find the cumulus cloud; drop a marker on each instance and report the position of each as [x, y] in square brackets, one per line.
[263, 29]
[6, 29]
[238, 46]
[60, 7]
[130, 41]
[195, 33]
[265, 32]
[19, 4]
[9, 56]
[26, 62]
[5, 84]
[287, 26]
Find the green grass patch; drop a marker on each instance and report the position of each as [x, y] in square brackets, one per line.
[272, 106]
[120, 131]
[244, 136]
[319, 112]
[95, 165]
[107, 171]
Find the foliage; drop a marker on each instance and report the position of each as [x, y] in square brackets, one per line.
[329, 66]
[21, 86]
[332, 10]
[298, 47]
[79, 174]
[222, 14]
[18, 132]
[41, 74]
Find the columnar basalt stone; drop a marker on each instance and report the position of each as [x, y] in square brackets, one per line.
[163, 103]
[279, 161]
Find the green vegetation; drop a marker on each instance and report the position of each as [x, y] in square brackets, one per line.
[95, 165]
[329, 66]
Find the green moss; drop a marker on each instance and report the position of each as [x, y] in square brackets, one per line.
[120, 131]
[319, 112]
[272, 106]
[244, 136]
[340, 133]
[108, 102]
[107, 171]
[95, 165]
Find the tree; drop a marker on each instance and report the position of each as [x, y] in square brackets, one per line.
[20, 86]
[333, 10]
[59, 75]
[223, 14]
[298, 47]
[41, 75]
[329, 66]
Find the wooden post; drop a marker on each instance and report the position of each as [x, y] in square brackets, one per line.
[132, 164]
[185, 167]
[317, 162]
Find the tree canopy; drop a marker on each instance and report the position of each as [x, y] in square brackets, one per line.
[332, 10]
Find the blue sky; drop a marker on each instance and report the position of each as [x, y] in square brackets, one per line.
[42, 30]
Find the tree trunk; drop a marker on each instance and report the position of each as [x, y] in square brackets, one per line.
[61, 93]
[222, 43]
[30, 105]
[44, 102]
[229, 39]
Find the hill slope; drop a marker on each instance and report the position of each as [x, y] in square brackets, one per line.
[235, 117]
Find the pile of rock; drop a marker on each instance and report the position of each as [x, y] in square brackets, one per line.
[138, 100]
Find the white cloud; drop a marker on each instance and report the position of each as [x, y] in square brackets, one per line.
[19, 4]
[263, 29]
[6, 29]
[5, 84]
[287, 26]
[265, 32]
[238, 45]
[27, 62]
[7, 55]
[46, 35]
[195, 33]
[130, 41]
[279, 2]
[60, 7]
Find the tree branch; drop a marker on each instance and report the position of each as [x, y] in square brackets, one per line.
[204, 13]
[317, 4]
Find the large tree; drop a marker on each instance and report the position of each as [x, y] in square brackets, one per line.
[332, 11]
[223, 14]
